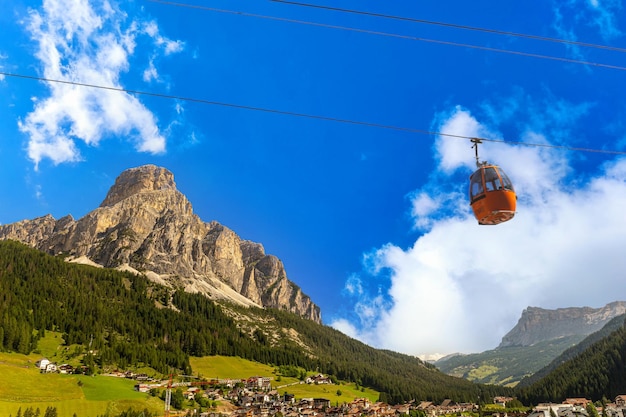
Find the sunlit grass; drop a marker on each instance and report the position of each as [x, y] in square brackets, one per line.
[223, 367]
[24, 383]
[83, 408]
[102, 388]
[23, 386]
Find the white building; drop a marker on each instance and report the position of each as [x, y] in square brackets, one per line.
[42, 364]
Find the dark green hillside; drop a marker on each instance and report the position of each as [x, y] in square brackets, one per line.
[597, 372]
[115, 312]
[571, 353]
[126, 321]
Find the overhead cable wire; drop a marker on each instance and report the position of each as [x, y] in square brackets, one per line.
[305, 115]
[453, 25]
[393, 35]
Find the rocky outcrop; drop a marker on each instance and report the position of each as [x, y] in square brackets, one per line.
[538, 324]
[146, 224]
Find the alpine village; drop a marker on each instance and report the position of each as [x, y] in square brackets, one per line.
[140, 308]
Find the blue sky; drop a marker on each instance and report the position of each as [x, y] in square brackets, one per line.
[373, 223]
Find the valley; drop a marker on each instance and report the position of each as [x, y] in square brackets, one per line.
[142, 288]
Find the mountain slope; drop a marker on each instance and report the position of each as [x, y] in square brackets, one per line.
[537, 339]
[126, 319]
[596, 373]
[145, 224]
[615, 324]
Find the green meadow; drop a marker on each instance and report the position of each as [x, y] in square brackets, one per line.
[224, 367]
[23, 386]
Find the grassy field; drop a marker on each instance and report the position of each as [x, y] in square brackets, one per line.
[103, 388]
[22, 386]
[222, 367]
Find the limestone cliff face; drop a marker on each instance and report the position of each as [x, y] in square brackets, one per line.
[538, 324]
[146, 224]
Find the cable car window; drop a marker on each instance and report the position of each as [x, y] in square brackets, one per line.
[492, 181]
[508, 185]
[476, 185]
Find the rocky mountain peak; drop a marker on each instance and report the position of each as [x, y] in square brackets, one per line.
[138, 180]
[146, 224]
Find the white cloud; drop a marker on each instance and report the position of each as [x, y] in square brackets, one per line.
[82, 43]
[604, 17]
[576, 15]
[169, 46]
[150, 73]
[460, 287]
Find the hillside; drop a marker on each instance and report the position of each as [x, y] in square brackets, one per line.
[574, 351]
[596, 373]
[131, 321]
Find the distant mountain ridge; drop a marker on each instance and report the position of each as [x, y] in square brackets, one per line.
[145, 224]
[540, 336]
[539, 324]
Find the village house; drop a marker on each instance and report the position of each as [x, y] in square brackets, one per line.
[334, 412]
[50, 368]
[246, 401]
[308, 412]
[571, 407]
[574, 411]
[380, 410]
[427, 407]
[258, 383]
[360, 403]
[402, 409]
[190, 394]
[321, 403]
[42, 363]
[318, 380]
[612, 410]
[261, 398]
[501, 401]
[66, 369]
[581, 402]
[45, 366]
[620, 401]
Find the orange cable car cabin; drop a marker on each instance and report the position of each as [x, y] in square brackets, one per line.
[492, 196]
